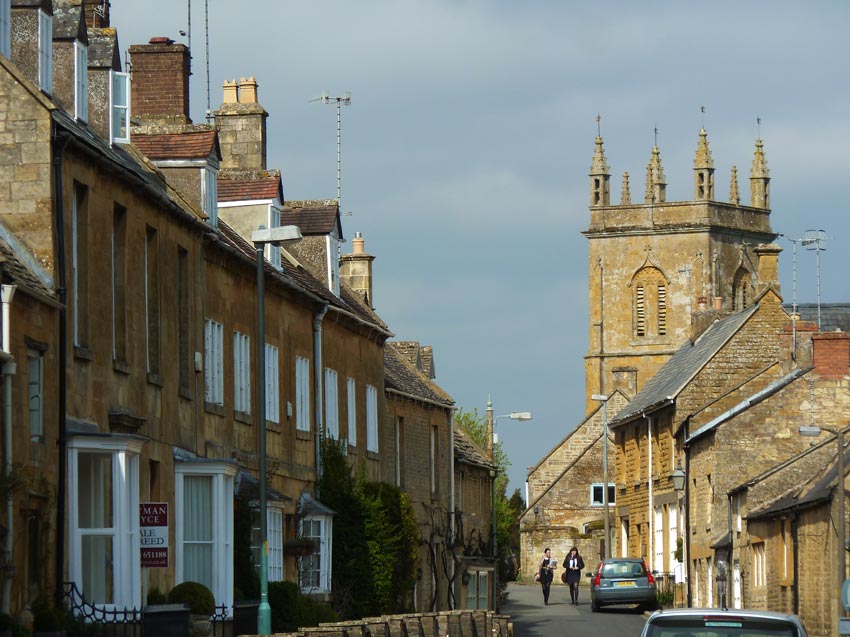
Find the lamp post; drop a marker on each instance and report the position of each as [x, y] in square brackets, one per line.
[603, 398]
[839, 490]
[678, 478]
[260, 238]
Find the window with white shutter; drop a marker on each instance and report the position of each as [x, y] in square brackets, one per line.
[371, 419]
[119, 107]
[331, 404]
[209, 185]
[45, 52]
[352, 411]
[5, 30]
[241, 373]
[302, 393]
[81, 81]
[214, 362]
[272, 384]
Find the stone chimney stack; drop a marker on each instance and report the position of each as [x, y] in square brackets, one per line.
[241, 124]
[160, 74]
[831, 354]
[768, 266]
[356, 269]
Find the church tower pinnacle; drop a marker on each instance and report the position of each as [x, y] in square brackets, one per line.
[600, 177]
[656, 187]
[759, 179]
[703, 170]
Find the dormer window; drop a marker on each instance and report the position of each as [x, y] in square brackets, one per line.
[210, 194]
[5, 28]
[45, 52]
[119, 107]
[333, 264]
[81, 81]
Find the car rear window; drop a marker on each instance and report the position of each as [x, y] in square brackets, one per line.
[623, 569]
[721, 627]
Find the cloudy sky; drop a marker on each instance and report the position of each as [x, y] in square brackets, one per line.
[466, 147]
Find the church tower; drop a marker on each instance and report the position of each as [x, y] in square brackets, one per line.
[654, 265]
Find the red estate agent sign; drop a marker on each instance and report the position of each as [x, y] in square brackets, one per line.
[153, 534]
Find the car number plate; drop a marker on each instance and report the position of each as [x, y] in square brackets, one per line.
[626, 583]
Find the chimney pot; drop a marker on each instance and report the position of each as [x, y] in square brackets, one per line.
[718, 303]
[231, 92]
[161, 40]
[702, 303]
[248, 90]
[358, 244]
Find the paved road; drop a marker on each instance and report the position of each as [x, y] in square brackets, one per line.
[560, 618]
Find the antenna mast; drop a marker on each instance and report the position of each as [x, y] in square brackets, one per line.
[816, 240]
[207, 55]
[339, 101]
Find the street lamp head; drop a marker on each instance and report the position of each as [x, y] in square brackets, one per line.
[281, 235]
[809, 431]
[602, 397]
[520, 415]
[678, 478]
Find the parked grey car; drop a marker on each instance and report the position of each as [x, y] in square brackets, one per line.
[622, 580]
[700, 622]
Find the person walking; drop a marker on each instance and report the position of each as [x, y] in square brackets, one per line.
[545, 573]
[572, 576]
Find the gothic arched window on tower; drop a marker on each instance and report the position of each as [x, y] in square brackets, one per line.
[740, 289]
[649, 303]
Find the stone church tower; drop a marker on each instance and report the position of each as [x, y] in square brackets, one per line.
[654, 265]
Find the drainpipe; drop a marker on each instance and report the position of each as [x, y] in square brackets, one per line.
[6, 293]
[452, 501]
[651, 510]
[687, 529]
[796, 561]
[60, 141]
[317, 384]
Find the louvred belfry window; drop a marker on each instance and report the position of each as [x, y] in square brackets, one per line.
[649, 311]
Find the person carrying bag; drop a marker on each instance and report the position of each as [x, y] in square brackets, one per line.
[573, 566]
[545, 573]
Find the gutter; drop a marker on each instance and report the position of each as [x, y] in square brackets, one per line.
[317, 384]
[426, 401]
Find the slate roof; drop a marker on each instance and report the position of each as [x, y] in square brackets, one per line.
[402, 376]
[834, 316]
[20, 274]
[68, 23]
[189, 145]
[103, 49]
[242, 189]
[318, 217]
[409, 350]
[683, 365]
[468, 452]
[426, 353]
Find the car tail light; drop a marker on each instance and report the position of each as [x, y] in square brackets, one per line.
[598, 577]
[649, 578]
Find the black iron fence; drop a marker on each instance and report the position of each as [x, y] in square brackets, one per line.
[166, 620]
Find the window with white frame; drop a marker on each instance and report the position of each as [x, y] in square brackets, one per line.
[597, 495]
[709, 589]
[658, 528]
[274, 534]
[242, 372]
[673, 533]
[103, 519]
[81, 81]
[214, 362]
[5, 28]
[35, 393]
[45, 52]
[272, 384]
[399, 450]
[478, 589]
[371, 419]
[351, 392]
[204, 526]
[331, 404]
[209, 185]
[315, 569]
[274, 250]
[738, 525]
[119, 107]
[302, 393]
[333, 248]
[433, 459]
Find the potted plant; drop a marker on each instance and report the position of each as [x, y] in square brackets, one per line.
[299, 546]
[201, 605]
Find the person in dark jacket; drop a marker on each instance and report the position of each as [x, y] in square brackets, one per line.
[545, 573]
[574, 565]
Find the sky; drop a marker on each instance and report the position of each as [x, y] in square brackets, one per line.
[467, 143]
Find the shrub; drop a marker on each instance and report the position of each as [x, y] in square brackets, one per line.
[156, 596]
[48, 620]
[6, 621]
[195, 595]
[291, 610]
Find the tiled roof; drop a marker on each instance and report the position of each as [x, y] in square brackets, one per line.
[313, 217]
[834, 316]
[410, 351]
[103, 49]
[268, 187]
[401, 376]
[468, 452]
[189, 145]
[426, 353]
[683, 365]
